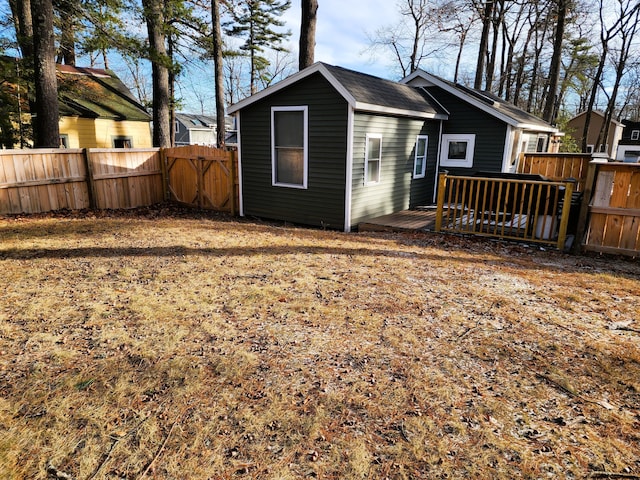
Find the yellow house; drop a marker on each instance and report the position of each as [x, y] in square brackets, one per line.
[98, 111]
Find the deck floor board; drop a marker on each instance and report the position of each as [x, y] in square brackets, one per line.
[401, 221]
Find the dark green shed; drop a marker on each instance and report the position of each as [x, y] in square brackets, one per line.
[332, 147]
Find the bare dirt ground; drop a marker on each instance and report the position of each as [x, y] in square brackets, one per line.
[169, 344]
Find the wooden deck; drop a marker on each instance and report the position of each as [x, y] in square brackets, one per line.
[406, 220]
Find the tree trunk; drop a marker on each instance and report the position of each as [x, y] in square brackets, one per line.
[46, 129]
[217, 65]
[21, 12]
[307, 33]
[627, 33]
[68, 41]
[484, 41]
[549, 112]
[154, 15]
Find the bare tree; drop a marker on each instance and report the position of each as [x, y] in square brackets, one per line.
[307, 33]
[628, 31]
[413, 39]
[483, 47]
[554, 70]
[626, 10]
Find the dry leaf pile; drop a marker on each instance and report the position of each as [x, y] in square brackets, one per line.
[164, 344]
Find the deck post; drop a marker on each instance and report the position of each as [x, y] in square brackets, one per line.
[566, 210]
[442, 184]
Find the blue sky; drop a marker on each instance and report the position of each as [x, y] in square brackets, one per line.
[342, 28]
[342, 38]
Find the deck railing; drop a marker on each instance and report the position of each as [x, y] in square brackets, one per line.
[505, 208]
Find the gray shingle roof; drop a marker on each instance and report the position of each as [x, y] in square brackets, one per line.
[363, 92]
[367, 89]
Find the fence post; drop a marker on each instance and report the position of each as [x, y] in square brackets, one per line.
[91, 186]
[442, 183]
[200, 180]
[584, 206]
[566, 211]
[165, 175]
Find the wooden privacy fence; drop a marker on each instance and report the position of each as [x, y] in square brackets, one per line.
[36, 181]
[505, 208]
[557, 166]
[43, 180]
[203, 177]
[614, 222]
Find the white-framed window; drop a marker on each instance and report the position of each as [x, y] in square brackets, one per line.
[635, 134]
[420, 159]
[457, 150]
[373, 158]
[589, 148]
[289, 146]
[64, 140]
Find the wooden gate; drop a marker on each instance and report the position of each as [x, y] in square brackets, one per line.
[203, 177]
[614, 224]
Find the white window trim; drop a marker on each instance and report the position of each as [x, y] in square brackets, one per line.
[635, 134]
[366, 159]
[305, 146]
[424, 161]
[467, 162]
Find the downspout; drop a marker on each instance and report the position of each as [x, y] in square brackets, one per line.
[349, 173]
[435, 187]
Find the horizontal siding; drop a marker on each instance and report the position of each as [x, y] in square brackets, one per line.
[490, 132]
[396, 190]
[322, 203]
[98, 133]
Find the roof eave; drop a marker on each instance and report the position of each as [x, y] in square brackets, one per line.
[302, 74]
[477, 103]
[537, 128]
[368, 107]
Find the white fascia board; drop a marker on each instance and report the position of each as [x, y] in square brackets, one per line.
[316, 67]
[476, 103]
[368, 107]
[537, 128]
[348, 194]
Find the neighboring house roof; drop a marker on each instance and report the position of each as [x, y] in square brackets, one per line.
[483, 100]
[596, 113]
[96, 93]
[191, 120]
[363, 92]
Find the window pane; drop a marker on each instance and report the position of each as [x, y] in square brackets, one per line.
[457, 150]
[374, 148]
[373, 171]
[289, 129]
[419, 166]
[290, 166]
[420, 147]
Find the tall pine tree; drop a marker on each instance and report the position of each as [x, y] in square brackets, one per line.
[254, 20]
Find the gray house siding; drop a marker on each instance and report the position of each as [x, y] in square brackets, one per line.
[396, 190]
[490, 132]
[322, 202]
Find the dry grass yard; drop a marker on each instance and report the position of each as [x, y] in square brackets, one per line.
[169, 345]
